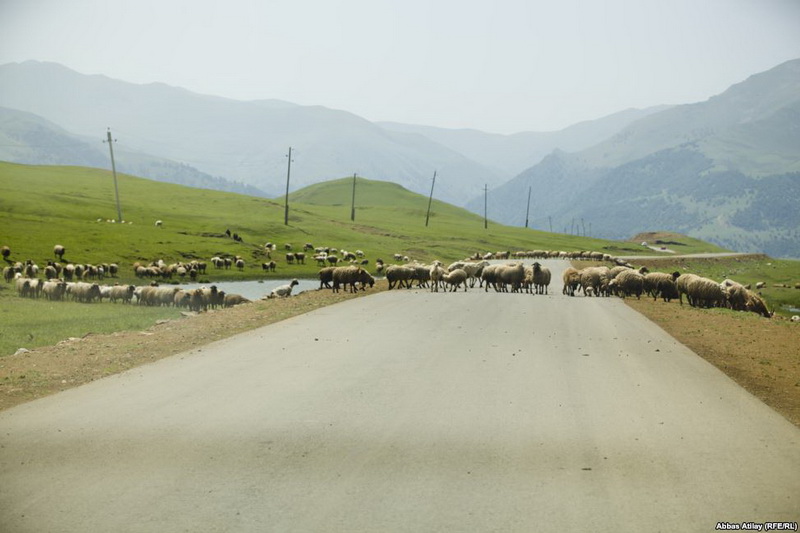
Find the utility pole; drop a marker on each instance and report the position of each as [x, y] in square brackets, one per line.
[430, 199]
[353, 204]
[528, 210]
[114, 172]
[584, 227]
[288, 173]
[485, 204]
[550, 221]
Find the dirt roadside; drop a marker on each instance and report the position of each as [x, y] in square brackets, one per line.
[761, 355]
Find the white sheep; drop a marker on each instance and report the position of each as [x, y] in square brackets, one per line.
[159, 223]
[283, 291]
[436, 275]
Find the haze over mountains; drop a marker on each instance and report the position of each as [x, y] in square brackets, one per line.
[726, 170]
[248, 141]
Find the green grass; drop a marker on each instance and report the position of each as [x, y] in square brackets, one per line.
[28, 323]
[41, 206]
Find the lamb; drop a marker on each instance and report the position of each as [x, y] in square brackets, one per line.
[283, 291]
[541, 278]
[269, 266]
[399, 275]
[58, 251]
[455, 279]
[571, 279]
[234, 299]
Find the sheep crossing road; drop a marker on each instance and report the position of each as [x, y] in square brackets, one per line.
[409, 411]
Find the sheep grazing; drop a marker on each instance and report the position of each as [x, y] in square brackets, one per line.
[735, 294]
[240, 264]
[541, 278]
[269, 266]
[704, 292]
[58, 251]
[682, 284]
[455, 279]
[54, 290]
[628, 283]
[283, 291]
[159, 223]
[653, 279]
[6, 251]
[234, 299]
[756, 304]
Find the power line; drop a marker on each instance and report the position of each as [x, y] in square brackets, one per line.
[114, 171]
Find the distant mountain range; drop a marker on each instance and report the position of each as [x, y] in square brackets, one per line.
[247, 141]
[726, 170]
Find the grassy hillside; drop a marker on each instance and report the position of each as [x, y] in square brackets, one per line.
[72, 206]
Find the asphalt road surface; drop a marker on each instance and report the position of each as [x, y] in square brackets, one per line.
[409, 411]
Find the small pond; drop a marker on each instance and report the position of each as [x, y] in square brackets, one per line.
[255, 290]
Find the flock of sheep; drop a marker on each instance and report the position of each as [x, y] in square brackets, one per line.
[619, 280]
[513, 276]
[58, 284]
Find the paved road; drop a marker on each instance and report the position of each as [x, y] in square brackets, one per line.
[408, 411]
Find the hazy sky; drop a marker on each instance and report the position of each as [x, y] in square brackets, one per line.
[500, 66]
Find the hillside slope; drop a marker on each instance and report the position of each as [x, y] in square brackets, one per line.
[41, 206]
[30, 139]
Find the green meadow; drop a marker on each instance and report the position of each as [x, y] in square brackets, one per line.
[41, 206]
